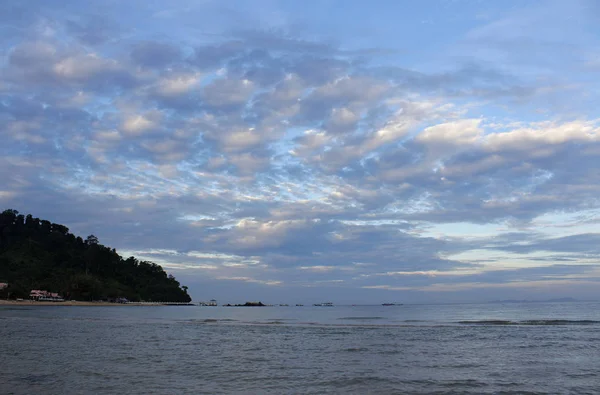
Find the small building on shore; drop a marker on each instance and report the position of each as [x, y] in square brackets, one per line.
[45, 296]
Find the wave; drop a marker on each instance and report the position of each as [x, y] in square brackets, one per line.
[282, 319]
[531, 322]
[376, 322]
[356, 349]
[209, 320]
[488, 322]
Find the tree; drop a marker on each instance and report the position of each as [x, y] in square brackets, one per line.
[38, 254]
[10, 212]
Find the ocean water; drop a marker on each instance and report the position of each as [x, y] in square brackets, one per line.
[536, 348]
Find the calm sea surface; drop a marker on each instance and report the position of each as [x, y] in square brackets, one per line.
[535, 348]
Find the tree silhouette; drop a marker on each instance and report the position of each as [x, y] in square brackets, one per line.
[38, 254]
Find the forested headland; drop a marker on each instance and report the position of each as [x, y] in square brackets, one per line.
[39, 254]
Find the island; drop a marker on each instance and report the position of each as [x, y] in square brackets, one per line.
[42, 261]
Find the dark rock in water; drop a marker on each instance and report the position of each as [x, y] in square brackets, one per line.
[251, 304]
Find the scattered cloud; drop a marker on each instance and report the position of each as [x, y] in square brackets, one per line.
[297, 156]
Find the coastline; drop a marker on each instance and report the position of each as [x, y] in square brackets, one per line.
[73, 303]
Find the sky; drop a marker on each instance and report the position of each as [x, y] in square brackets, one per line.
[302, 152]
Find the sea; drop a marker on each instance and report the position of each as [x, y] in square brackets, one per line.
[494, 348]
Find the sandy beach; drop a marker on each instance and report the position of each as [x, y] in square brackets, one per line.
[71, 303]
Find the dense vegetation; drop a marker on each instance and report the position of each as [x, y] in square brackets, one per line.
[38, 254]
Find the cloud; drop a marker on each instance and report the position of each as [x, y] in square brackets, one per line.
[93, 29]
[155, 54]
[136, 124]
[461, 132]
[281, 157]
[582, 243]
[544, 133]
[52, 63]
[542, 284]
[226, 93]
[177, 85]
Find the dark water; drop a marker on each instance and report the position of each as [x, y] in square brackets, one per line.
[463, 349]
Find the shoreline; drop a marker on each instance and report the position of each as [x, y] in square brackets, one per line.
[79, 303]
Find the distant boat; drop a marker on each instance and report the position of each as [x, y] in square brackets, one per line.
[326, 304]
[299, 305]
[391, 304]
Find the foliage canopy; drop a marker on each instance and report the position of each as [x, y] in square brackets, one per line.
[38, 254]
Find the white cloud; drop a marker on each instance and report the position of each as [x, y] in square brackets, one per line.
[6, 195]
[137, 124]
[460, 132]
[248, 164]
[108, 136]
[277, 160]
[251, 280]
[83, 67]
[177, 85]
[318, 269]
[543, 133]
[28, 131]
[239, 140]
[227, 92]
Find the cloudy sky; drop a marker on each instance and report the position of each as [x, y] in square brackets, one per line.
[287, 151]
